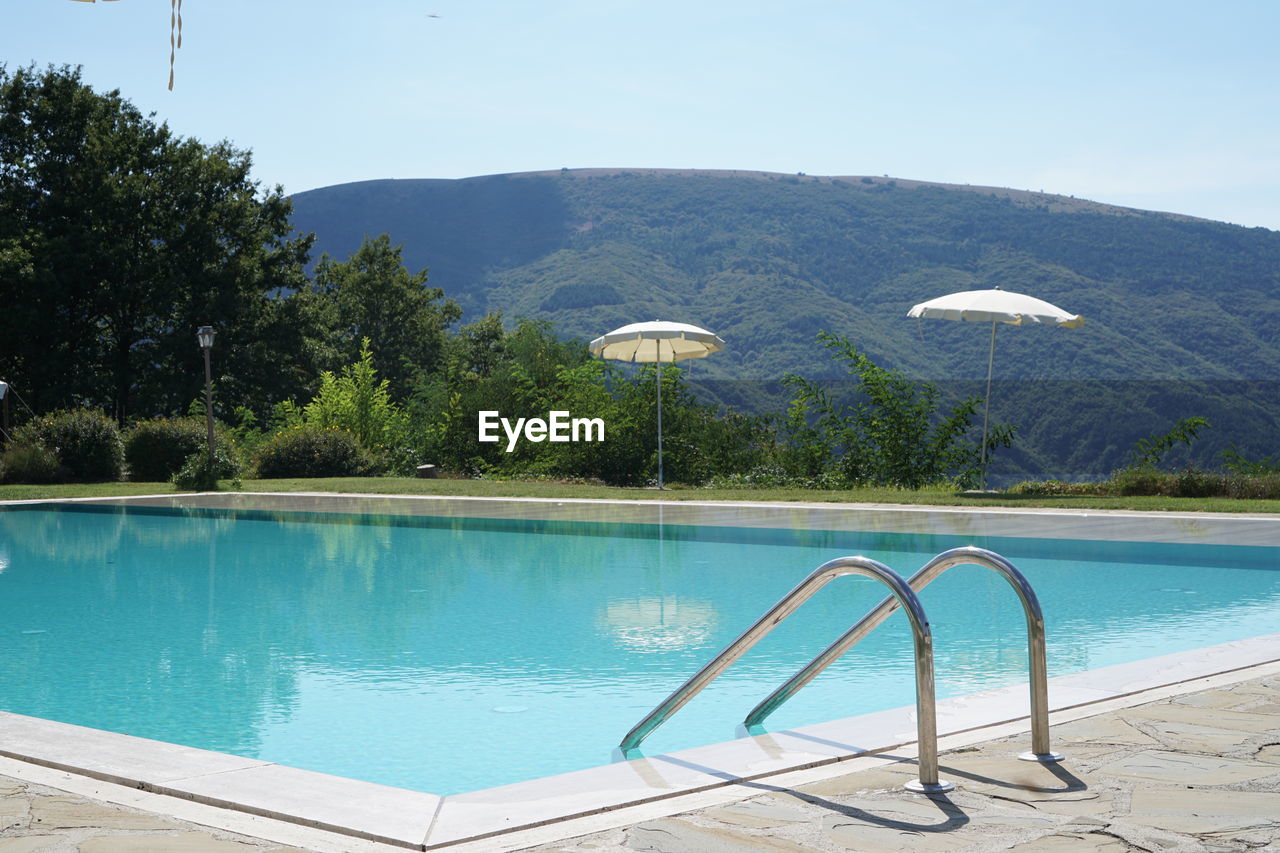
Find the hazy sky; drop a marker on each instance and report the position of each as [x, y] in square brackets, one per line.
[1165, 105]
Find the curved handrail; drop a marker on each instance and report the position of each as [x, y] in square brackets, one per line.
[903, 595]
[1040, 750]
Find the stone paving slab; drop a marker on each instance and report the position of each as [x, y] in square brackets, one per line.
[1073, 842]
[38, 819]
[1100, 730]
[30, 844]
[1198, 811]
[1185, 768]
[681, 836]
[1243, 721]
[758, 814]
[183, 842]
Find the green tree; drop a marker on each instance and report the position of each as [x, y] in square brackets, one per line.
[358, 402]
[890, 435]
[1148, 452]
[487, 367]
[118, 239]
[373, 295]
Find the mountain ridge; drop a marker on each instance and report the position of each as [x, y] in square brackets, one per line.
[1057, 202]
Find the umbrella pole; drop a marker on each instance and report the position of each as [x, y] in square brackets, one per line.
[986, 405]
[659, 420]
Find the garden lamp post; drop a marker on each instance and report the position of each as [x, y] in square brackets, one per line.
[205, 336]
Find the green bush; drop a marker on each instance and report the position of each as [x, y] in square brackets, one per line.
[30, 463]
[1145, 480]
[311, 451]
[86, 442]
[157, 449]
[1258, 487]
[197, 474]
[1142, 480]
[1235, 462]
[1192, 483]
[1053, 487]
[359, 403]
[891, 434]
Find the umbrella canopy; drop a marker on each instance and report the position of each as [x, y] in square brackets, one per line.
[658, 341]
[994, 306]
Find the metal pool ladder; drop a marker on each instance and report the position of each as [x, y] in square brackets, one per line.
[903, 595]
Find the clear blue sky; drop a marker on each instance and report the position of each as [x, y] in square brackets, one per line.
[1166, 105]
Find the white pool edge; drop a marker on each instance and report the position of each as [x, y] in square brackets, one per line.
[1191, 528]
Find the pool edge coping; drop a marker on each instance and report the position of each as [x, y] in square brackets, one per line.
[1167, 526]
[942, 508]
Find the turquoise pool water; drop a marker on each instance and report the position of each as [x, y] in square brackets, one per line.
[448, 654]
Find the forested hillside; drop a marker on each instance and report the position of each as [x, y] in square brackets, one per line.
[767, 261]
[1177, 310]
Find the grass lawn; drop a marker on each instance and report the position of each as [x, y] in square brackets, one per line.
[560, 491]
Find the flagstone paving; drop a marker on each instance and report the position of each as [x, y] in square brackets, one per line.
[38, 819]
[1198, 773]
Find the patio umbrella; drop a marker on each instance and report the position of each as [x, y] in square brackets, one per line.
[994, 306]
[658, 341]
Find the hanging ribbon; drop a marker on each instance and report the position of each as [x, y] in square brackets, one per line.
[175, 32]
[175, 27]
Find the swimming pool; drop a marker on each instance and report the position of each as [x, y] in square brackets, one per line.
[456, 651]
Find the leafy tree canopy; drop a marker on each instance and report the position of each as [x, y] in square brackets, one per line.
[118, 239]
[372, 295]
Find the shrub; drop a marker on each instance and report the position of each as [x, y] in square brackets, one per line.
[1233, 461]
[1053, 487]
[30, 463]
[1198, 484]
[86, 442]
[1143, 480]
[768, 476]
[311, 451]
[1146, 480]
[1191, 483]
[891, 434]
[157, 449]
[196, 474]
[360, 403]
[1258, 487]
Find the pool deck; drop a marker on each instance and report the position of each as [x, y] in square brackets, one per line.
[1189, 767]
[1196, 771]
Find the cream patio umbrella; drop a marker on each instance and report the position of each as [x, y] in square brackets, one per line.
[994, 306]
[658, 341]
